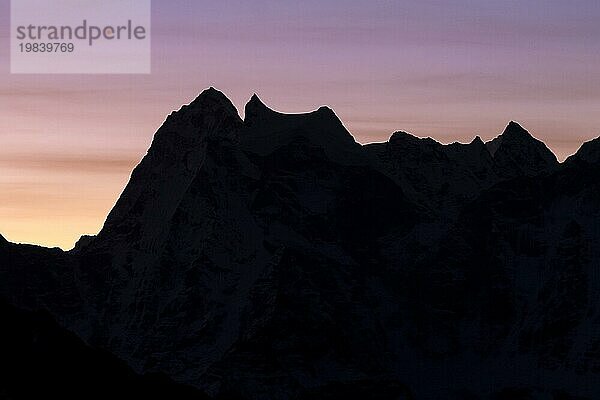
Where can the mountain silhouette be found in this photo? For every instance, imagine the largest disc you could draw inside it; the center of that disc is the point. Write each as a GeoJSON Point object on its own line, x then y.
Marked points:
{"type": "Point", "coordinates": [276, 258]}
{"type": "Point", "coordinates": [517, 153]}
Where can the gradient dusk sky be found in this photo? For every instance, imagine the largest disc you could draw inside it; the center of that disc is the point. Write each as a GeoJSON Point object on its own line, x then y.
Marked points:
{"type": "Point", "coordinates": [448, 69]}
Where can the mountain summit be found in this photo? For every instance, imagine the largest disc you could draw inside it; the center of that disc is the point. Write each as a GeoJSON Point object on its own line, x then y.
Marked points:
{"type": "Point", "coordinates": [516, 153]}
{"type": "Point", "coordinates": [255, 109]}
{"type": "Point", "coordinates": [178, 150]}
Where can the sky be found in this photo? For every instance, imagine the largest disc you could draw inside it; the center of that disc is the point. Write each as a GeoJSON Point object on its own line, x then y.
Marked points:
{"type": "Point", "coordinates": [447, 69]}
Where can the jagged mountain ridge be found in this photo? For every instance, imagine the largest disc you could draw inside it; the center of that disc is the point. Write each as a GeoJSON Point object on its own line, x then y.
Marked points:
{"type": "Point", "coordinates": [444, 177]}
{"type": "Point", "coordinates": [277, 258]}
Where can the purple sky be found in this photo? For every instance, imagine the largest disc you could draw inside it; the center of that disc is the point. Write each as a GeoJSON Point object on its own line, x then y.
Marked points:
{"type": "Point", "coordinates": [446, 69]}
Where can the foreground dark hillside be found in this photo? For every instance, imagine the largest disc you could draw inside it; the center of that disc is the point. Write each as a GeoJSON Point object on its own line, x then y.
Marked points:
{"type": "Point", "coordinates": [42, 360]}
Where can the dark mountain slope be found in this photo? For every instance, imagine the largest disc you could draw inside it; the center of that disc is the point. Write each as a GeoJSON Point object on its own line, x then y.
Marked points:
{"type": "Point", "coordinates": [36, 277]}
{"type": "Point", "coordinates": [442, 178]}
{"type": "Point", "coordinates": [177, 276]}
{"type": "Point", "coordinates": [517, 153]}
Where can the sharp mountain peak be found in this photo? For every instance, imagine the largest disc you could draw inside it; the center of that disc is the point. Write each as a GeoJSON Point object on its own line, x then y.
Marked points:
{"type": "Point", "coordinates": [477, 140]}
{"type": "Point", "coordinates": [256, 109]}
{"type": "Point", "coordinates": [513, 134]}
{"type": "Point", "coordinates": [211, 94]}
{"type": "Point", "coordinates": [516, 129]}
{"type": "Point", "coordinates": [210, 100]}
